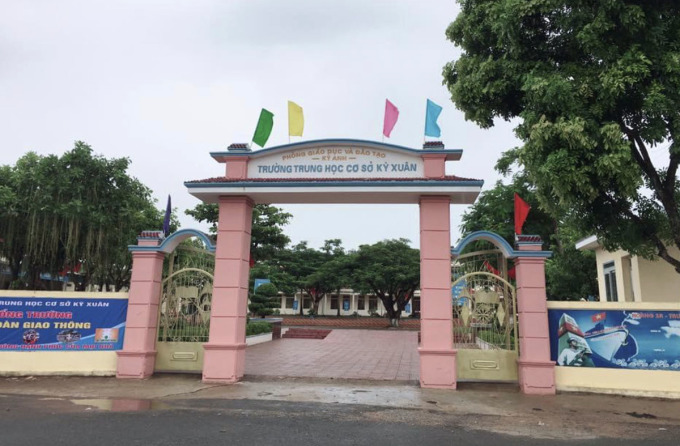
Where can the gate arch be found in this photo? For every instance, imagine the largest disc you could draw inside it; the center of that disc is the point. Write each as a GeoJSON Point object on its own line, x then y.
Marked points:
{"type": "Point", "coordinates": [337, 171]}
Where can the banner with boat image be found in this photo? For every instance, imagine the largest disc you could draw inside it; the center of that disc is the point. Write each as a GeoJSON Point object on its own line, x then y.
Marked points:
{"type": "Point", "coordinates": [626, 339]}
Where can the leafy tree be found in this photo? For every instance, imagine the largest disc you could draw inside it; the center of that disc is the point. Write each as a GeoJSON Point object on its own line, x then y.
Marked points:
{"type": "Point", "coordinates": [264, 300]}
{"type": "Point", "coordinates": [276, 273]}
{"type": "Point", "coordinates": [494, 211]}
{"type": "Point", "coordinates": [570, 273]}
{"type": "Point", "coordinates": [329, 274]}
{"type": "Point", "coordinates": [390, 269]}
{"type": "Point", "coordinates": [267, 237]}
{"type": "Point", "coordinates": [339, 272]}
{"type": "Point", "coordinates": [300, 262]}
{"type": "Point", "coordinates": [596, 85]}
{"type": "Point", "coordinates": [75, 212]}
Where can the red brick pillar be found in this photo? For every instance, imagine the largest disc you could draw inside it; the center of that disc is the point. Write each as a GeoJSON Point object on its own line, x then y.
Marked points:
{"type": "Point", "coordinates": [536, 370]}
{"type": "Point", "coordinates": [224, 359]}
{"type": "Point", "coordinates": [437, 356]}
{"type": "Point", "coordinates": [138, 357]}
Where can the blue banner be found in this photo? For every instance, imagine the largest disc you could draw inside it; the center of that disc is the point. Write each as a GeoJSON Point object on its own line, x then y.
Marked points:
{"type": "Point", "coordinates": [67, 324]}
{"type": "Point", "coordinates": [615, 339]}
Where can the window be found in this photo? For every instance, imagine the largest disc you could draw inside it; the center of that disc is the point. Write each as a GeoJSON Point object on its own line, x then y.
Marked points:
{"type": "Point", "coordinates": [360, 302]}
{"type": "Point", "coordinates": [289, 302]}
{"type": "Point", "coordinates": [334, 302]}
{"type": "Point", "coordinates": [307, 304]}
{"type": "Point", "coordinates": [372, 304]}
{"type": "Point", "coordinates": [610, 282]}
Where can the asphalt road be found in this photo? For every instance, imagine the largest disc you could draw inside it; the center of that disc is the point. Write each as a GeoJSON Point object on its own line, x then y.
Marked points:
{"type": "Point", "coordinates": [39, 420]}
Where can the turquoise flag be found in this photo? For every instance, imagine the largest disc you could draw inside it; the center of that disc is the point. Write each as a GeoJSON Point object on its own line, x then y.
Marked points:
{"type": "Point", "coordinates": [431, 115]}
{"type": "Point", "coordinates": [264, 128]}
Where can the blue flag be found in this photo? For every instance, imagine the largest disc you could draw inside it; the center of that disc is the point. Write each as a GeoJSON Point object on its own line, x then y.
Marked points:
{"type": "Point", "coordinates": [431, 115]}
{"type": "Point", "coordinates": [166, 220]}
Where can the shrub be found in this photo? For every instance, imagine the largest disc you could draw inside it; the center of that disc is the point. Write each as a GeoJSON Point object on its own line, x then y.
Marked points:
{"type": "Point", "coordinates": [256, 328]}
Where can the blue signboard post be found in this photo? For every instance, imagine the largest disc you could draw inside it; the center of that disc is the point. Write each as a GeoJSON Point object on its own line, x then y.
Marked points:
{"type": "Point", "coordinates": [456, 292]}
{"type": "Point", "coordinates": [259, 282]}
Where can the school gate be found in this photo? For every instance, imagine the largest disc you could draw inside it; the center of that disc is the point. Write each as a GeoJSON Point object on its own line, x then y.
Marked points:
{"type": "Point", "coordinates": [335, 171]}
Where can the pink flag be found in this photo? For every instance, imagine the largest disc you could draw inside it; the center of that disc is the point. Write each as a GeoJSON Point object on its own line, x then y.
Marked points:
{"type": "Point", "coordinates": [391, 116]}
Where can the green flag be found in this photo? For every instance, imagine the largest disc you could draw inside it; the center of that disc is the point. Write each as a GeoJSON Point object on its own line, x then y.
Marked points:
{"type": "Point", "coordinates": [264, 128]}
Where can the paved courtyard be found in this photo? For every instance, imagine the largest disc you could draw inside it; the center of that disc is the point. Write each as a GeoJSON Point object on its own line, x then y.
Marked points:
{"type": "Point", "coordinates": [346, 354]}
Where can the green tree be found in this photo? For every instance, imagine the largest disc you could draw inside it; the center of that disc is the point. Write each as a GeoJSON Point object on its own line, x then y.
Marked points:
{"type": "Point", "coordinates": [329, 273]}
{"type": "Point", "coordinates": [276, 273]}
{"type": "Point", "coordinates": [570, 274]}
{"type": "Point", "coordinates": [79, 210]}
{"type": "Point", "coordinates": [264, 300]}
{"type": "Point", "coordinates": [596, 85]}
{"type": "Point", "coordinates": [267, 236]}
{"type": "Point", "coordinates": [494, 211]}
{"type": "Point", "coordinates": [300, 262]}
{"type": "Point", "coordinates": [389, 269]}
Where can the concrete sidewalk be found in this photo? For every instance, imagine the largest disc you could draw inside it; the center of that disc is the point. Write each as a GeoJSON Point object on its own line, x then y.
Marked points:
{"type": "Point", "coordinates": [493, 408]}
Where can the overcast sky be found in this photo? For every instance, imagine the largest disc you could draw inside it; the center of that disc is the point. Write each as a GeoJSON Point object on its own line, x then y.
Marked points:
{"type": "Point", "coordinates": [165, 83]}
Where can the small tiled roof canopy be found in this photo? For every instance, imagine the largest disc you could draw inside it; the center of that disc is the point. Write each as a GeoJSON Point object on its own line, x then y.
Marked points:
{"type": "Point", "coordinates": [293, 173]}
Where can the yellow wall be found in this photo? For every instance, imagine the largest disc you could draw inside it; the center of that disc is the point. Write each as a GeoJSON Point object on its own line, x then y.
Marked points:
{"type": "Point", "coordinates": [639, 279]}
{"type": "Point", "coordinates": [653, 383]}
{"type": "Point", "coordinates": [92, 363]}
{"type": "Point", "coordinates": [58, 363]}
{"type": "Point", "coordinates": [659, 281]}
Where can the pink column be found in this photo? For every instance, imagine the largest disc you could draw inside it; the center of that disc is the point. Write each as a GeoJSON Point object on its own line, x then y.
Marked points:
{"type": "Point", "coordinates": [137, 359]}
{"type": "Point", "coordinates": [434, 165]}
{"type": "Point", "coordinates": [437, 356]}
{"type": "Point", "coordinates": [225, 356]}
{"type": "Point", "coordinates": [536, 370]}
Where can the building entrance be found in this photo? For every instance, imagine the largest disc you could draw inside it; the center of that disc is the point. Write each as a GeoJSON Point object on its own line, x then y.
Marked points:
{"type": "Point", "coordinates": [337, 171]}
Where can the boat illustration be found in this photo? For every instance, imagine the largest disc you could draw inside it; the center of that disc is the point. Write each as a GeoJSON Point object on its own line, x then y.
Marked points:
{"type": "Point", "coordinates": [673, 329]}
{"type": "Point", "coordinates": [568, 330]}
{"type": "Point", "coordinates": [607, 344]}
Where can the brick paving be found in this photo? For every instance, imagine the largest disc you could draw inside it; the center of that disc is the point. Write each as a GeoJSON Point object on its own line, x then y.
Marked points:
{"type": "Point", "coordinates": [347, 322]}
{"type": "Point", "coordinates": [344, 354]}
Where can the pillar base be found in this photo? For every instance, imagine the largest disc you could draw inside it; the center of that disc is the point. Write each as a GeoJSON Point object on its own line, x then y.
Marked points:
{"type": "Point", "coordinates": [437, 368]}
{"type": "Point", "coordinates": [135, 365]}
{"type": "Point", "coordinates": [223, 363]}
{"type": "Point", "coordinates": [536, 377]}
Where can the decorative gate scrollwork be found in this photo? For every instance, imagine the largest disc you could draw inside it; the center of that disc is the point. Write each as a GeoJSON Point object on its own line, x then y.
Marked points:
{"type": "Point", "coordinates": [185, 306]}
{"type": "Point", "coordinates": [484, 312]}
{"type": "Point", "coordinates": [186, 295]}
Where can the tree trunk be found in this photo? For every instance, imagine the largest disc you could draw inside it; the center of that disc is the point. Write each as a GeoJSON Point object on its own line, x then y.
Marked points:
{"type": "Point", "coordinates": [393, 315]}
{"type": "Point", "coordinates": [301, 302]}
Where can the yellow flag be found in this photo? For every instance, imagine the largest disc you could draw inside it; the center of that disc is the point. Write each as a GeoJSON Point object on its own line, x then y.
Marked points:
{"type": "Point", "coordinates": [296, 120]}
